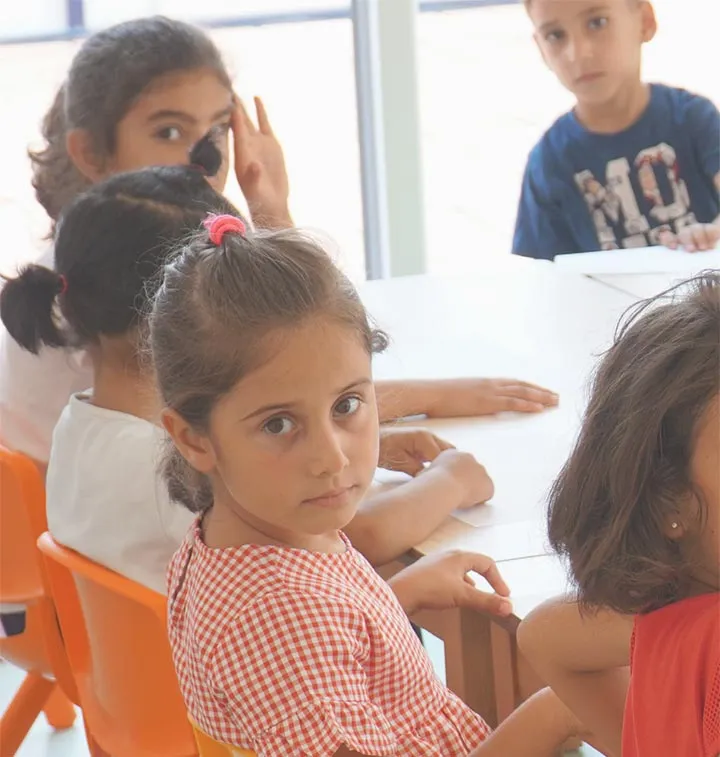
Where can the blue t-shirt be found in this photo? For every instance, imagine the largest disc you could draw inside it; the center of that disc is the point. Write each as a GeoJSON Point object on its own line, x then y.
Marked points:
{"type": "Point", "coordinates": [584, 191]}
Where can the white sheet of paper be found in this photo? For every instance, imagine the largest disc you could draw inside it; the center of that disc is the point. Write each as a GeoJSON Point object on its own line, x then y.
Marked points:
{"type": "Point", "coordinates": [640, 260]}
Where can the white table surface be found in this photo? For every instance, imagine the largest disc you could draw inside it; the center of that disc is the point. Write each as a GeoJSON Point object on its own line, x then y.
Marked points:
{"type": "Point", "coordinates": [641, 285]}
{"type": "Point", "coordinates": [529, 321]}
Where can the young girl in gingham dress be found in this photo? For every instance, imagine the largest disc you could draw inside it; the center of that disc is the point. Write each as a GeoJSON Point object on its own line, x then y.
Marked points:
{"type": "Point", "coordinates": [285, 640]}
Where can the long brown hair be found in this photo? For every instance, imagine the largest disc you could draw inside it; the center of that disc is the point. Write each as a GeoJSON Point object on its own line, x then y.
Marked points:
{"type": "Point", "coordinates": [213, 311]}
{"type": "Point", "coordinates": [630, 470]}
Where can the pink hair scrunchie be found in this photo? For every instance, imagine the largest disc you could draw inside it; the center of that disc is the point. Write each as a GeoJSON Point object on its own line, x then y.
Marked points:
{"type": "Point", "coordinates": [218, 226]}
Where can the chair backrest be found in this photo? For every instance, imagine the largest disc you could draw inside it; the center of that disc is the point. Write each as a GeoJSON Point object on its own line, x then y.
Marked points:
{"type": "Point", "coordinates": [116, 638]}
{"type": "Point", "coordinates": [22, 494]}
{"type": "Point", "coordinates": [210, 748]}
{"type": "Point", "coordinates": [23, 580]}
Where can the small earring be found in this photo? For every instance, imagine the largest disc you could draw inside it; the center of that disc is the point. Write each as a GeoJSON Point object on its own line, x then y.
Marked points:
{"type": "Point", "coordinates": [674, 525]}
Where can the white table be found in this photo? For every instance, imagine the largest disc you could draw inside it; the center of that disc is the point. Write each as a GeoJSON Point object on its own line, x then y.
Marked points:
{"type": "Point", "coordinates": [526, 320]}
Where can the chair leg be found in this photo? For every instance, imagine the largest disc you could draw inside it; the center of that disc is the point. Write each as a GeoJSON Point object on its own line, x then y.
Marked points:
{"type": "Point", "coordinates": [22, 712]}
{"type": "Point", "coordinates": [59, 711]}
{"type": "Point", "coordinates": [93, 747]}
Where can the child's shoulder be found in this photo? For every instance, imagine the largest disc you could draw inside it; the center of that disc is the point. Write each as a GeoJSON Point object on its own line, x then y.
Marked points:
{"type": "Point", "coordinates": [265, 577]}
{"type": "Point", "coordinates": [679, 96]}
{"type": "Point", "coordinates": [554, 137]}
{"type": "Point", "coordinates": [106, 436]}
{"type": "Point", "coordinates": [677, 105]}
{"type": "Point", "coordinates": [671, 107]}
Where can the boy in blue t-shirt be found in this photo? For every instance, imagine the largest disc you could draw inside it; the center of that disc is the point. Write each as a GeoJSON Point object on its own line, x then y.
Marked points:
{"type": "Point", "coordinates": [632, 164]}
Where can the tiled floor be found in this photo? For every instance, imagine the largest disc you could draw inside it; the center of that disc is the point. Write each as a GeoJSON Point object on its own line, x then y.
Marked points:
{"type": "Point", "coordinates": [42, 741]}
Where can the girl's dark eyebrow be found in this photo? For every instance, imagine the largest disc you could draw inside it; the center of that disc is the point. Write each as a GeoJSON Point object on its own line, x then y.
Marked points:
{"type": "Point", "coordinates": [179, 115]}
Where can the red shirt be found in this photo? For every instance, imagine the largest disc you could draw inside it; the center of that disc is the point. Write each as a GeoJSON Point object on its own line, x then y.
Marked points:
{"type": "Point", "coordinates": [288, 652]}
{"type": "Point", "coordinates": [673, 704]}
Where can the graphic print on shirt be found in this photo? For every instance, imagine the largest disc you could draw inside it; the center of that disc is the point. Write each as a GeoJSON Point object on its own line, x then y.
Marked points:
{"type": "Point", "coordinates": [615, 206]}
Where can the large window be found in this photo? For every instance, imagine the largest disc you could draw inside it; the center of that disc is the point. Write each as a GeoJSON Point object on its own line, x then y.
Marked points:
{"type": "Point", "coordinates": [485, 97]}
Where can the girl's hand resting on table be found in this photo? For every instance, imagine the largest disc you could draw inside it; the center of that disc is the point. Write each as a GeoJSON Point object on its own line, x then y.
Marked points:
{"type": "Point", "coordinates": [441, 582]}
{"type": "Point", "coordinates": [260, 167]}
{"type": "Point", "coordinates": [464, 472]}
{"type": "Point", "coordinates": [472, 396]}
{"type": "Point", "coordinates": [407, 449]}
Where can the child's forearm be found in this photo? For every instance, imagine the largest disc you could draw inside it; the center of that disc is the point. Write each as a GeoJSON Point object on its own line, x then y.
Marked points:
{"type": "Point", "coordinates": [599, 700]}
{"type": "Point", "coordinates": [390, 523]}
{"type": "Point", "coordinates": [538, 728]}
{"type": "Point", "coordinates": [402, 399]}
{"type": "Point", "coordinates": [585, 658]}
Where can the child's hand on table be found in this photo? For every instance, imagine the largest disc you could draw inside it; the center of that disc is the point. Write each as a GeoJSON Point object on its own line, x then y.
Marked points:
{"type": "Point", "coordinates": [481, 396]}
{"type": "Point", "coordinates": [466, 473]}
{"type": "Point", "coordinates": [441, 582]}
{"type": "Point", "coordinates": [407, 449]}
{"type": "Point", "coordinates": [696, 238]}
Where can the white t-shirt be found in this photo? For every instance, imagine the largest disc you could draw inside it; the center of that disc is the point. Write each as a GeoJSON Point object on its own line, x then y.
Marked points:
{"type": "Point", "coordinates": [34, 389]}
{"type": "Point", "coordinates": [105, 498]}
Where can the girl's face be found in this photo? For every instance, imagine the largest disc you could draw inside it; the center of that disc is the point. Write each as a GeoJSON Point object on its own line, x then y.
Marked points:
{"type": "Point", "coordinates": [701, 539]}
{"type": "Point", "coordinates": [168, 118]}
{"type": "Point", "coordinates": [294, 446]}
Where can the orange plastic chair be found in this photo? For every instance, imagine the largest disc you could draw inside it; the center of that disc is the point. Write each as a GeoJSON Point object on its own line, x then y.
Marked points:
{"type": "Point", "coordinates": [116, 640]}
{"type": "Point", "coordinates": [210, 748]}
{"type": "Point", "coordinates": [39, 650]}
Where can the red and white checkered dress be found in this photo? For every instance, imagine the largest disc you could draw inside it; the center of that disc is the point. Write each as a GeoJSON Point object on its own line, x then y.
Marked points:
{"type": "Point", "coordinates": [294, 653]}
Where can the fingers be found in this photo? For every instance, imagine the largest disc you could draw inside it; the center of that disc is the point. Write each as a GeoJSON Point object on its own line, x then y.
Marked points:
{"type": "Point", "coordinates": [487, 568]}
{"type": "Point", "coordinates": [405, 464]}
{"type": "Point", "coordinates": [442, 443]}
{"type": "Point", "coordinates": [242, 115]}
{"type": "Point", "coordinates": [262, 117]}
{"type": "Point", "coordinates": [408, 449]}
{"type": "Point", "coordinates": [713, 232]}
{"type": "Point", "coordinates": [521, 397]}
{"type": "Point", "coordinates": [242, 128]}
{"type": "Point", "coordinates": [497, 603]}
{"type": "Point", "coordinates": [668, 239]}
{"type": "Point", "coordinates": [484, 602]}
{"type": "Point", "coordinates": [699, 237]}
{"type": "Point", "coordinates": [526, 391]}
{"type": "Point", "coordinates": [516, 405]}
{"type": "Point", "coordinates": [400, 461]}
{"type": "Point", "coordinates": [426, 447]}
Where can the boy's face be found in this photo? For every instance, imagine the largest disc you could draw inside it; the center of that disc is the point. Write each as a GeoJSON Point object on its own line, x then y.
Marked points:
{"type": "Point", "coordinates": [593, 46]}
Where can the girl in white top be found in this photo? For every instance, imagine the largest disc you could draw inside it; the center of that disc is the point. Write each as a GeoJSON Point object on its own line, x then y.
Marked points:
{"type": "Point", "coordinates": [104, 497]}
{"type": "Point", "coordinates": [141, 94]}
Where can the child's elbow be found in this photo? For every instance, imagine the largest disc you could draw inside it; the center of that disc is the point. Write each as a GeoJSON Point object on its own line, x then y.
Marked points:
{"type": "Point", "coordinates": [536, 631]}
{"type": "Point", "coordinates": [526, 636]}
{"type": "Point", "coordinates": [369, 539]}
